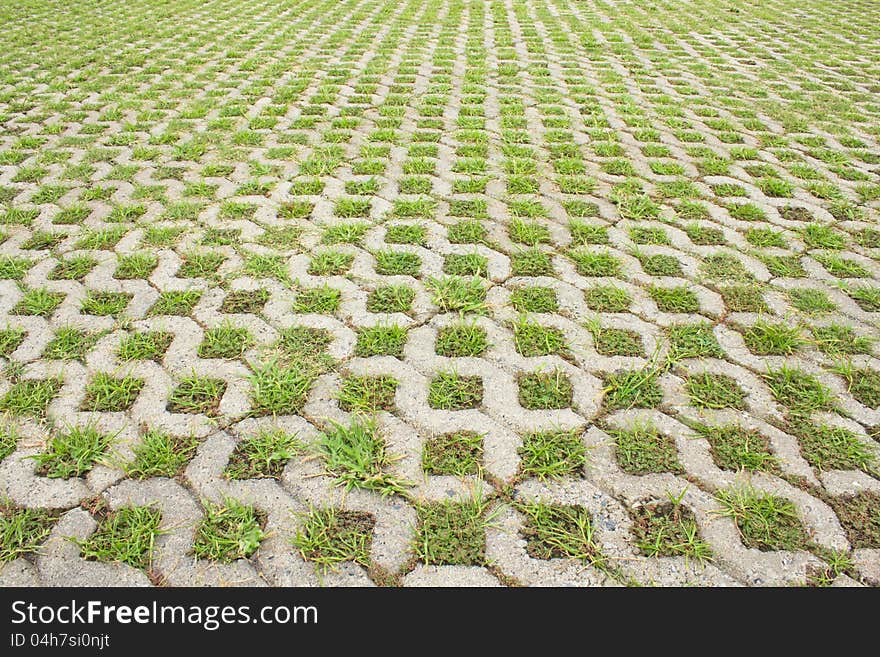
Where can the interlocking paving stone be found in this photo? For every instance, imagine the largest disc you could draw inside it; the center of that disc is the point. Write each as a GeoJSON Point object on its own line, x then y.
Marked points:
{"type": "Point", "coordinates": [590, 288]}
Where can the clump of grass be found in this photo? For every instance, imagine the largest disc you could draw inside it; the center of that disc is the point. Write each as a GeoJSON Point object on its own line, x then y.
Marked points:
{"type": "Point", "coordinates": [263, 456]}
{"type": "Point", "coordinates": [390, 299]}
{"type": "Point", "coordinates": [632, 388]}
{"type": "Point", "coordinates": [150, 345]}
{"type": "Point", "coordinates": [765, 522]}
{"type": "Point", "coordinates": [532, 339]}
{"type": "Point", "coordinates": [230, 531]}
{"type": "Point", "coordinates": [456, 454]}
{"type": "Point", "coordinates": [461, 340]}
{"type": "Point", "coordinates": [798, 391]}
{"type": "Point", "coordinates": [197, 394]}
{"type": "Point", "coordinates": [607, 299]}
{"type": "Point", "coordinates": [451, 533]}
{"type": "Point", "coordinates": [73, 453]}
{"type": "Point", "coordinates": [452, 392]}
{"type": "Point", "coordinates": [560, 532]}
{"type": "Point", "coordinates": [355, 457]}
{"type": "Point", "coordinates": [381, 340]}
{"type": "Point", "coordinates": [225, 341]}
{"type": "Point", "coordinates": [458, 294]}
{"type": "Point", "coordinates": [839, 340]}
{"type": "Point", "coordinates": [552, 454]}
{"type": "Point", "coordinates": [30, 396]}
{"type": "Point", "coordinates": [278, 390]}
{"type": "Point", "coordinates": [545, 390]}
{"type": "Point", "coordinates": [695, 340]}
{"type": "Point", "coordinates": [367, 393]}
{"type": "Point", "coordinates": [127, 535]}
{"type": "Point", "coordinates": [861, 382]}
{"type": "Point", "coordinates": [330, 536]}
{"type": "Point", "coordinates": [643, 450]}
{"type": "Point", "coordinates": [736, 448]}
{"type": "Point", "coordinates": [833, 448]}
{"type": "Point", "coordinates": [106, 393]}
{"type": "Point", "coordinates": [668, 529]}
{"type": "Point", "coordinates": [161, 455]}
{"type": "Point", "coordinates": [678, 299]}
{"type": "Point", "coordinates": [860, 516]}
{"type": "Point", "coordinates": [534, 299]}
{"type": "Point", "coordinates": [708, 390]}
{"type": "Point", "coordinates": [22, 531]}
{"type": "Point", "coordinates": [764, 338]}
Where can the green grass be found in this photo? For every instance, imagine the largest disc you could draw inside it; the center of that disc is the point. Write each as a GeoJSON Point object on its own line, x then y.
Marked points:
{"type": "Point", "coordinates": [279, 390]}
{"type": "Point", "coordinates": [834, 448]}
{"type": "Point", "coordinates": [397, 263]}
{"type": "Point", "coordinates": [330, 536]}
{"type": "Point", "coordinates": [263, 455]}
{"type": "Point", "coordinates": [674, 299]}
{"type": "Point", "coordinates": [161, 455]}
{"type": "Point", "coordinates": [632, 388]}
{"type": "Point", "coordinates": [30, 396]}
{"type": "Point", "coordinates": [458, 294]}
{"type": "Point", "coordinates": [860, 517]}
{"type": "Point", "coordinates": [9, 438]}
{"type": "Point", "coordinates": [330, 263]}
{"type": "Point", "coordinates": [229, 531]}
{"type": "Point", "coordinates": [552, 454]}
{"type": "Point", "coordinates": [10, 340]}
{"type": "Point", "coordinates": [667, 528]}
{"type": "Point", "coordinates": [461, 340]}
{"type": "Point", "coordinates": [356, 457]}
{"type": "Point", "coordinates": [244, 301]}
{"type": "Point", "coordinates": [693, 341]}
{"type": "Point", "coordinates": [40, 302]}
{"type": "Point", "coordinates": [862, 383]}
{"type": "Point", "coordinates": [765, 338]}
{"type": "Point", "coordinates": [595, 263]}
{"type": "Point", "coordinates": [764, 521]}
{"type": "Point", "coordinates": [451, 533]}
{"type": "Point", "coordinates": [615, 342]}
{"type": "Point", "coordinates": [534, 299]}
{"type": "Point", "coordinates": [736, 448]}
{"type": "Point", "coordinates": [556, 531]}
{"type": "Point", "coordinates": [106, 303]}
{"type": "Point", "coordinates": [365, 394]}
{"type": "Point", "coordinates": [743, 299]}
{"type": "Point", "coordinates": [197, 394]}
{"type": "Point", "coordinates": [840, 340]}
{"type": "Point", "coordinates": [73, 452]}
{"type": "Point", "coordinates": [715, 391]}
{"type": "Point", "coordinates": [798, 391]}
{"type": "Point", "coordinates": [127, 535]}
{"type": "Point", "coordinates": [149, 345]}
{"type": "Point", "coordinates": [323, 300]}
{"type": "Point", "coordinates": [70, 344]}
{"type": "Point", "coordinates": [225, 341]}
{"type": "Point", "coordinates": [450, 391]}
{"type": "Point", "coordinates": [106, 393]}
{"type": "Point", "coordinates": [381, 340]}
{"type": "Point", "coordinates": [465, 264]}
{"type": "Point", "coordinates": [391, 299]}
{"type": "Point", "coordinates": [455, 454]}
{"type": "Point", "coordinates": [545, 390]}
{"type": "Point", "coordinates": [531, 262]}
{"type": "Point", "coordinates": [607, 299]}
{"type": "Point", "coordinates": [532, 339]}
{"type": "Point", "coordinates": [644, 450]}
{"type": "Point", "coordinates": [23, 531]}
